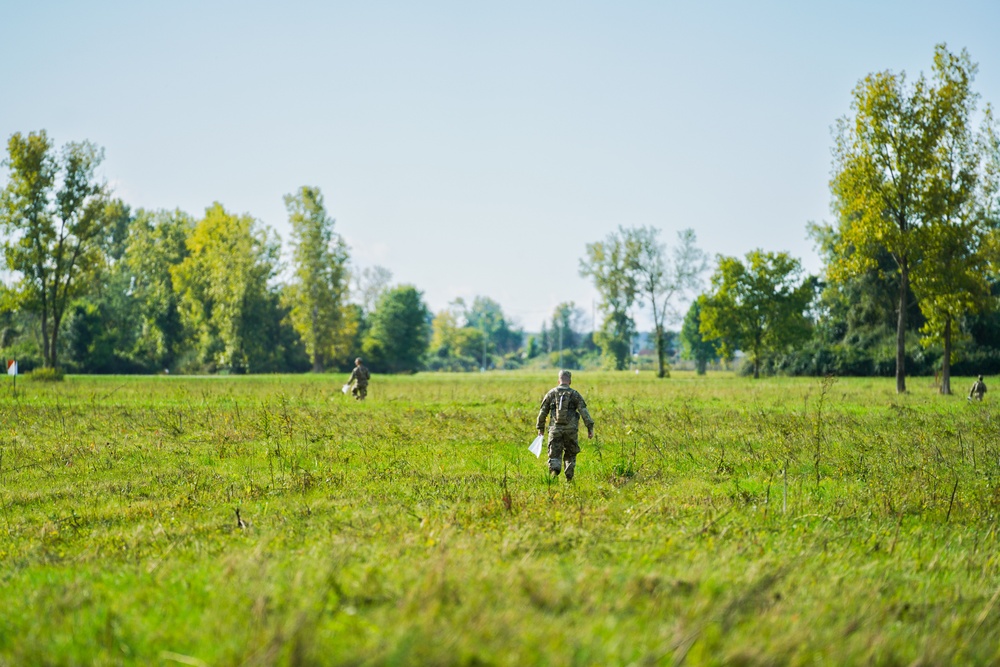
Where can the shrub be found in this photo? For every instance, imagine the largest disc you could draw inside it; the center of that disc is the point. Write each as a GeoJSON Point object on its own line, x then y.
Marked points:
{"type": "Point", "coordinates": [45, 375]}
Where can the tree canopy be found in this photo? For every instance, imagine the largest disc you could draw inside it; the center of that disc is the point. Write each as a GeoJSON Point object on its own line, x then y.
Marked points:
{"type": "Point", "coordinates": [757, 306]}
{"type": "Point", "coordinates": [900, 167]}
{"type": "Point", "coordinates": [55, 215]}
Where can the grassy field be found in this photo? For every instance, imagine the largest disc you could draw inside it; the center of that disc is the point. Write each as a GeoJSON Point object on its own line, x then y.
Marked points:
{"type": "Point", "coordinates": [714, 520]}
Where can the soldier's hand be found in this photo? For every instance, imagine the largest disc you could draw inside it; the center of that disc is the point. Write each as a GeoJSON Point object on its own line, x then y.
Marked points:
{"type": "Point", "coordinates": [540, 432]}
{"type": "Point", "coordinates": [590, 433]}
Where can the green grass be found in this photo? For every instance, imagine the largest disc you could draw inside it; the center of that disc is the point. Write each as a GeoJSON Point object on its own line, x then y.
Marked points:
{"type": "Point", "coordinates": [713, 521]}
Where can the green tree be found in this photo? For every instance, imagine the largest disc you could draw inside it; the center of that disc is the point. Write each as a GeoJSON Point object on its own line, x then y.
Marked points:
{"type": "Point", "coordinates": [567, 322]}
{"type": "Point", "coordinates": [157, 241]}
{"type": "Point", "coordinates": [661, 279]}
{"type": "Point", "coordinates": [453, 346]}
{"type": "Point", "coordinates": [400, 331]}
{"type": "Point", "coordinates": [694, 345]}
{"type": "Point", "coordinates": [608, 264]}
{"type": "Point", "coordinates": [487, 316]}
{"type": "Point", "coordinates": [952, 281]}
{"type": "Point", "coordinates": [758, 306]}
{"type": "Point", "coordinates": [223, 286]}
{"type": "Point", "coordinates": [890, 161]}
{"type": "Point", "coordinates": [55, 215]}
{"type": "Point", "coordinates": [318, 290]}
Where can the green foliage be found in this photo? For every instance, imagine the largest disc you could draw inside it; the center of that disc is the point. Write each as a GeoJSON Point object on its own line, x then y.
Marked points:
{"type": "Point", "coordinates": [157, 241]}
{"type": "Point", "coordinates": [632, 266]}
{"type": "Point", "coordinates": [316, 296]}
{"type": "Point", "coordinates": [400, 331]}
{"type": "Point", "coordinates": [608, 263]}
{"type": "Point", "coordinates": [758, 306]}
{"type": "Point", "coordinates": [694, 345]}
{"type": "Point", "coordinates": [567, 325]}
{"type": "Point", "coordinates": [661, 279]}
{"type": "Point", "coordinates": [57, 220]}
{"type": "Point", "coordinates": [712, 521]}
{"type": "Point", "coordinates": [454, 347]}
{"type": "Point", "coordinates": [223, 288]}
{"type": "Point", "coordinates": [903, 165]}
{"type": "Point", "coordinates": [487, 316]}
{"type": "Point", "coordinates": [45, 374]}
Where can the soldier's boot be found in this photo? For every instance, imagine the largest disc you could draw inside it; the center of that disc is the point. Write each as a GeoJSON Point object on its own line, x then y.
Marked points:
{"type": "Point", "coordinates": [555, 466]}
{"type": "Point", "coordinates": [570, 469]}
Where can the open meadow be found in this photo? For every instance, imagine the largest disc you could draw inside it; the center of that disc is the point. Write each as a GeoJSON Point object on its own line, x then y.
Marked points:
{"type": "Point", "coordinates": [714, 520]}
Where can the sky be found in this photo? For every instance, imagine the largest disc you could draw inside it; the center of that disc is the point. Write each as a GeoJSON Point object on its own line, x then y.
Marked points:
{"type": "Point", "coordinates": [476, 148]}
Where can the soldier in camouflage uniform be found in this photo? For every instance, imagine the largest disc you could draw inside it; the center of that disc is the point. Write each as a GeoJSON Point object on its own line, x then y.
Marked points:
{"type": "Point", "coordinates": [978, 389]}
{"type": "Point", "coordinates": [566, 407]}
{"type": "Point", "coordinates": [359, 376]}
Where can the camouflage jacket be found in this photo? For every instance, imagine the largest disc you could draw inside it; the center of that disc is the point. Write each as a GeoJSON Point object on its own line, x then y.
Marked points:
{"type": "Point", "coordinates": [566, 406]}
{"type": "Point", "coordinates": [361, 374]}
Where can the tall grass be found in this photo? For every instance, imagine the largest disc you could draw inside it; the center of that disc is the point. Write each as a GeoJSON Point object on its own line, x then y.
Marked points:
{"type": "Point", "coordinates": [712, 521]}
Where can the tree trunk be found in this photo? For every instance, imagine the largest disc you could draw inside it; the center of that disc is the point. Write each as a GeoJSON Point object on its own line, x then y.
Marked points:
{"type": "Point", "coordinates": [55, 340]}
{"type": "Point", "coordinates": [701, 365]}
{"type": "Point", "coordinates": [904, 284]}
{"type": "Point", "coordinates": [661, 352]}
{"type": "Point", "coordinates": [46, 359]}
{"type": "Point", "coordinates": [946, 361]}
{"type": "Point", "coordinates": [317, 355]}
{"type": "Point", "coordinates": [756, 363]}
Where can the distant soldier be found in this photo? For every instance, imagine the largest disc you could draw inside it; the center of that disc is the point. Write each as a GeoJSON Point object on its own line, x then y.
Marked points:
{"type": "Point", "coordinates": [978, 389]}
{"type": "Point", "coordinates": [360, 377]}
{"type": "Point", "coordinates": [566, 407]}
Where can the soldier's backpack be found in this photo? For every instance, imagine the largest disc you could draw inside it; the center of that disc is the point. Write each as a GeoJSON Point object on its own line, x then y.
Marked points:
{"type": "Point", "coordinates": [563, 408]}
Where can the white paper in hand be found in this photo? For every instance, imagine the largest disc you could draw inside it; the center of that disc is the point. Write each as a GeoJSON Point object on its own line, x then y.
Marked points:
{"type": "Point", "coordinates": [536, 446]}
{"type": "Point", "coordinates": [346, 388]}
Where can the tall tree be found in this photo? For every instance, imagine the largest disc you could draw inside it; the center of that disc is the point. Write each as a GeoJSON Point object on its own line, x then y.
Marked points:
{"type": "Point", "coordinates": [400, 331]}
{"type": "Point", "coordinates": [157, 241]}
{"type": "Point", "coordinates": [454, 347]}
{"type": "Point", "coordinates": [318, 289]}
{"type": "Point", "coordinates": [888, 166]}
{"type": "Point", "coordinates": [567, 325]}
{"type": "Point", "coordinates": [758, 306]}
{"type": "Point", "coordinates": [54, 212]}
{"type": "Point", "coordinates": [661, 279]}
{"type": "Point", "coordinates": [486, 315]}
{"type": "Point", "coordinates": [222, 283]}
{"type": "Point", "coordinates": [608, 264]}
{"type": "Point", "coordinates": [953, 280]}
{"type": "Point", "coordinates": [694, 345]}
{"type": "Point", "coordinates": [368, 285]}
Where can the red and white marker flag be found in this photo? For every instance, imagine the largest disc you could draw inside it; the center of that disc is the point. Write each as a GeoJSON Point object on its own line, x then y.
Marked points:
{"type": "Point", "coordinates": [12, 367]}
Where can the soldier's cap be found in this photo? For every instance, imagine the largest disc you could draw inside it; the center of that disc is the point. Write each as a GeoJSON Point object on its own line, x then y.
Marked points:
{"type": "Point", "coordinates": [565, 374]}
{"type": "Point", "coordinates": [358, 360]}
{"type": "Point", "coordinates": [980, 377]}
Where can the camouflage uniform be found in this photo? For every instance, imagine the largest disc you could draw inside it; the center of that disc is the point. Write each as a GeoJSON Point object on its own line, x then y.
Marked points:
{"type": "Point", "coordinates": [978, 389]}
{"type": "Point", "coordinates": [567, 407]}
{"type": "Point", "coordinates": [359, 376]}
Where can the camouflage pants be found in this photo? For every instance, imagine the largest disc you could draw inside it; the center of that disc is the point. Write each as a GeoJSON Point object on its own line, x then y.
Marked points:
{"type": "Point", "coordinates": [563, 448]}
{"type": "Point", "coordinates": [360, 391]}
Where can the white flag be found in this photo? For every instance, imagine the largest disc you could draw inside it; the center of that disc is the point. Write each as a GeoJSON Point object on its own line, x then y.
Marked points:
{"type": "Point", "coordinates": [12, 367]}
{"type": "Point", "coordinates": [346, 388]}
{"type": "Point", "coordinates": [536, 446]}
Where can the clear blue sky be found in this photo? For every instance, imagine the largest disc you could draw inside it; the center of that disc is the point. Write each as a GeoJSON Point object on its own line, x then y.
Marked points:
{"type": "Point", "coordinates": [476, 147]}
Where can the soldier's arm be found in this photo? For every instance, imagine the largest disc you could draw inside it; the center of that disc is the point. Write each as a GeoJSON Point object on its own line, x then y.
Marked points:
{"type": "Point", "coordinates": [543, 412]}
{"type": "Point", "coordinates": [588, 421]}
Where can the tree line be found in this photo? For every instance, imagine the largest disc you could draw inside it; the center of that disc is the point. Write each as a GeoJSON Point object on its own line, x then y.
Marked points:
{"type": "Point", "coordinates": [911, 258]}
{"type": "Point", "coordinates": [909, 281]}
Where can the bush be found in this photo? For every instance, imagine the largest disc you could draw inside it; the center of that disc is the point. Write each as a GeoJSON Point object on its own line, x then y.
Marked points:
{"type": "Point", "coordinates": [45, 375]}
